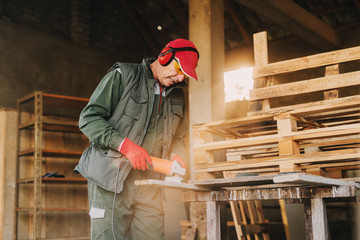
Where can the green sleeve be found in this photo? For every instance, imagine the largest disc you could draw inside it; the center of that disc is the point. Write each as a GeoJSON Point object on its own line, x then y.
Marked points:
{"type": "Point", "coordinates": [93, 118]}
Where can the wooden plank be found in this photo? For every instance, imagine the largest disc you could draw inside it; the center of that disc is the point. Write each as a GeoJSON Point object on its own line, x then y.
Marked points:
{"type": "Point", "coordinates": [235, 211]}
{"type": "Point", "coordinates": [332, 143]}
{"type": "Point", "coordinates": [318, 219]}
{"type": "Point", "coordinates": [252, 215]}
{"type": "Point", "coordinates": [260, 151]}
{"type": "Point", "coordinates": [260, 49]}
{"type": "Point", "coordinates": [329, 165]}
{"type": "Point", "coordinates": [312, 61]}
{"type": "Point", "coordinates": [306, 86]}
{"type": "Point", "coordinates": [343, 130]}
{"type": "Point", "coordinates": [234, 143]}
{"type": "Point", "coordinates": [301, 135]}
{"type": "Point", "coordinates": [234, 122]}
{"type": "Point", "coordinates": [260, 58]}
{"type": "Point", "coordinates": [8, 144]}
{"type": "Point", "coordinates": [313, 180]}
{"type": "Point", "coordinates": [235, 181]}
{"type": "Point", "coordinates": [213, 220]}
{"type": "Point", "coordinates": [261, 218]}
{"type": "Point", "coordinates": [170, 184]}
{"type": "Point", "coordinates": [236, 217]}
{"type": "Point", "coordinates": [333, 93]}
{"type": "Point", "coordinates": [313, 107]}
{"type": "Point", "coordinates": [306, 121]}
{"type": "Point", "coordinates": [286, 126]}
{"type": "Point", "coordinates": [339, 155]}
{"type": "Point", "coordinates": [244, 214]}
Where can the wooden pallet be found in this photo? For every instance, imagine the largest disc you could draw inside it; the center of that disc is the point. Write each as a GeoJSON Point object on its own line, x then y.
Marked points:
{"type": "Point", "coordinates": [282, 85]}
{"type": "Point", "coordinates": [320, 134]}
{"type": "Point", "coordinates": [281, 150]}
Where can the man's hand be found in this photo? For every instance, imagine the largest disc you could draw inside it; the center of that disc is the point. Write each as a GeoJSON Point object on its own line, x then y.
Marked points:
{"type": "Point", "coordinates": [175, 157]}
{"type": "Point", "coordinates": [137, 155]}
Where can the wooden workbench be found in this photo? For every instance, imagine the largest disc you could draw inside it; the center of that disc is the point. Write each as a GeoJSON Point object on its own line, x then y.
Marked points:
{"type": "Point", "coordinates": [313, 191]}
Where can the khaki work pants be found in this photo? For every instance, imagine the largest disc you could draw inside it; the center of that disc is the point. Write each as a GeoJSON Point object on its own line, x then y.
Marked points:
{"type": "Point", "coordinates": [138, 212]}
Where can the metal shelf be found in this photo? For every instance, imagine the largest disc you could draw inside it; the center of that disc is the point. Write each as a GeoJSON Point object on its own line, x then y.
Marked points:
{"type": "Point", "coordinates": [53, 125]}
{"type": "Point", "coordinates": [54, 180]}
{"type": "Point", "coordinates": [54, 209]}
{"type": "Point", "coordinates": [40, 112]}
{"type": "Point", "coordinates": [51, 153]}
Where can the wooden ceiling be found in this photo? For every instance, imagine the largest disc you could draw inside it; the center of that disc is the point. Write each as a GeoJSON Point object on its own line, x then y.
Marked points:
{"type": "Point", "coordinates": [136, 28]}
{"type": "Point", "coordinates": [317, 22]}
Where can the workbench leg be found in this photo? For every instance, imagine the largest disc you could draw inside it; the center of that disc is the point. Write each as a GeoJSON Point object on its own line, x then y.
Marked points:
{"type": "Point", "coordinates": [213, 220]}
{"type": "Point", "coordinates": [319, 219]}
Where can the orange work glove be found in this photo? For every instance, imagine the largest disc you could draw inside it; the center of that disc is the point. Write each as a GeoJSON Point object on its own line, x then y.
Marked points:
{"type": "Point", "coordinates": [175, 157]}
{"type": "Point", "coordinates": [137, 155]}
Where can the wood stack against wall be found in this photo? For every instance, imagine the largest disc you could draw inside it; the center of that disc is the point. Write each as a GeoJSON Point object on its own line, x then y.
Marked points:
{"type": "Point", "coordinates": [304, 116]}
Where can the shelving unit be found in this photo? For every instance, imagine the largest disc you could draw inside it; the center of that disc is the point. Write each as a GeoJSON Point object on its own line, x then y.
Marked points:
{"type": "Point", "coordinates": [49, 141]}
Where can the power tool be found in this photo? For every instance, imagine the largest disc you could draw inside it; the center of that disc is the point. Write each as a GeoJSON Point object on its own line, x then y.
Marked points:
{"type": "Point", "coordinates": [172, 169]}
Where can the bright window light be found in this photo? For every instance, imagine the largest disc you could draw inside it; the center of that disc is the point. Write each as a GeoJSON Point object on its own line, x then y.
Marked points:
{"type": "Point", "coordinates": [238, 83]}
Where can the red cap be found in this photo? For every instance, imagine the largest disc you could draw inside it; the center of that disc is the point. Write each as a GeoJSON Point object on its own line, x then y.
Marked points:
{"type": "Point", "coordinates": [187, 59]}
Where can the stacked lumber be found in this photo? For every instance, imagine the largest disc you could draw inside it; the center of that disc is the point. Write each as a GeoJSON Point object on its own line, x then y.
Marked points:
{"type": "Point", "coordinates": [304, 116]}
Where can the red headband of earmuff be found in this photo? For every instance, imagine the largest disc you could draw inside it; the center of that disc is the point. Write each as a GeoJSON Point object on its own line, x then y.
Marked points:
{"type": "Point", "coordinates": [168, 54]}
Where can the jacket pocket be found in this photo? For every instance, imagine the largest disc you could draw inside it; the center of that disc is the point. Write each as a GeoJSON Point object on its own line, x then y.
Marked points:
{"type": "Point", "coordinates": [132, 113]}
{"type": "Point", "coordinates": [106, 167]}
{"type": "Point", "coordinates": [134, 107]}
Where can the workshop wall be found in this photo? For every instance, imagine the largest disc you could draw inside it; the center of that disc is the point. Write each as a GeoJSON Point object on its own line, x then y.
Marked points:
{"type": "Point", "coordinates": [31, 60]}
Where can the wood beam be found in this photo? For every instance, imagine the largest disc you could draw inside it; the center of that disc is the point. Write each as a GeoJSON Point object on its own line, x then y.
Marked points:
{"type": "Point", "coordinates": [233, 11]}
{"type": "Point", "coordinates": [141, 26]}
{"type": "Point", "coordinates": [297, 20]}
{"type": "Point", "coordinates": [178, 12]}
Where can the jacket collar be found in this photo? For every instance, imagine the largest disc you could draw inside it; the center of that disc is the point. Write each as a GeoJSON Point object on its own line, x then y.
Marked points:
{"type": "Point", "coordinates": [146, 66]}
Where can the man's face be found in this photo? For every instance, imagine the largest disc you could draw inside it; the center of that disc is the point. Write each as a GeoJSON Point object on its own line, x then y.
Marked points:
{"type": "Point", "coordinates": [170, 75]}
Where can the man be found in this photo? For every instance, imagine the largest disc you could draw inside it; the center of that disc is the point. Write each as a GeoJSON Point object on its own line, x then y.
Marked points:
{"type": "Point", "coordinates": [136, 111]}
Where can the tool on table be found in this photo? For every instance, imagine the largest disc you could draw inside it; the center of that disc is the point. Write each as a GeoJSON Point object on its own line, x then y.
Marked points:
{"type": "Point", "coordinates": [173, 169]}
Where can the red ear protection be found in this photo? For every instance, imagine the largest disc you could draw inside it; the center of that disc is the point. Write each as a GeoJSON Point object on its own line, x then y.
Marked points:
{"type": "Point", "coordinates": [168, 54]}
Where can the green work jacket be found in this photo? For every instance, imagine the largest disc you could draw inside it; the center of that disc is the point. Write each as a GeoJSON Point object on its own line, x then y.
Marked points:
{"type": "Point", "coordinates": [120, 107]}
